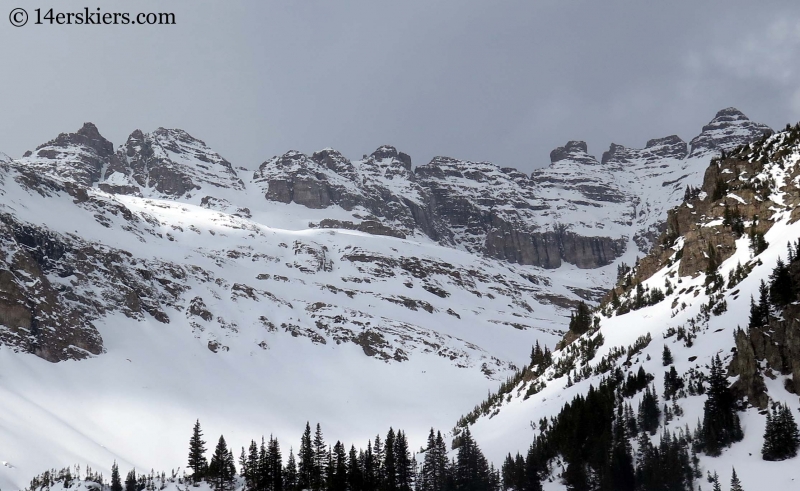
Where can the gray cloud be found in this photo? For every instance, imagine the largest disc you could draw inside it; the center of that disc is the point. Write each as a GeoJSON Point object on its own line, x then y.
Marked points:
{"type": "Point", "coordinates": [475, 79]}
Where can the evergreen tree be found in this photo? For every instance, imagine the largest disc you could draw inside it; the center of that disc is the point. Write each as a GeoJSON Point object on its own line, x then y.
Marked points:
{"type": "Point", "coordinates": [666, 356]}
{"type": "Point", "coordinates": [197, 450]}
{"type": "Point", "coordinates": [649, 411]}
{"type": "Point", "coordinates": [581, 320]}
{"type": "Point", "coordinates": [537, 355]}
{"type": "Point", "coordinates": [274, 466]}
{"type": "Point", "coordinates": [769, 450]}
{"type": "Point", "coordinates": [721, 426]}
{"type": "Point", "coordinates": [222, 468]}
{"type": "Point", "coordinates": [756, 319]}
{"type": "Point", "coordinates": [619, 474]}
{"type": "Point", "coordinates": [672, 383]}
{"type": "Point", "coordinates": [736, 485]}
{"type": "Point", "coordinates": [532, 468]}
{"type": "Point", "coordinates": [116, 483]}
{"type": "Point", "coordinates": [246, 471]}
{"type": "Point", "coordinates": [379, 457]}
{"type": "Point", "coordinates": [306, 463]}
{"type": "Point", "coordinates": [450, 482]}
{"type": "Point", "coordinates": [715, 482]}
{"type": "Point", "coordinates": [251, 468]}
{"type": "Point", "coordinates": [231, 463]}
{"type": "Point", "coordinates": [426, 477]}
{"type": "Point", "coordinates": [368, 469]}
{"type": "Point", "coordinates": [263, 474]}
{"type": "Point", "coordinates": [405, 463]}
{"type": "Point", "coordinates": [782, 289]}
{"type": "Point", "coordinates": [665, 467]}
{"type": "Point", "coordinates": [338, 469]}
{"type": "Point", "coordinates": [781, 436]}
{"type": "Point", "coordinates": [389, 462]}
{"type": "Point", "coordinates": [355, 478]}
{"type": "Point", "coordinates": [494, 478]}
{"type": "Point", "coordinates": [290, 478]}
{"type": "Point", "coordinates": [130, 481]}
{"type": "Point", "coordinates": [757, 242]}
{"type": "Point", "coordinates": [434, 466]}
{"type": "Point", "coordinates": [472, 468]}
{"type": "Point", "coordinates": [321, 458]}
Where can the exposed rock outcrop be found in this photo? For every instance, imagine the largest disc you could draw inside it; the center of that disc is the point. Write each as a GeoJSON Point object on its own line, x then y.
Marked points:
{"type": "Point", "coordinates": [770, 350]}
{"type": "Point", "coordinates": [172, 163]}
{"type": "Point", "coordinates": [655, 152]}
{"type": "Point", "coordinates": [80, 157]}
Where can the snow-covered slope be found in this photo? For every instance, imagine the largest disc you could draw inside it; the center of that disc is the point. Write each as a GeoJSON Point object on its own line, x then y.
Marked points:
{"type": "Point", "coordinates": [177, 311]}
{"type": "Point", "coordinates": [694, 320]}
{"type": "Point", "coordinates": [361, 294]}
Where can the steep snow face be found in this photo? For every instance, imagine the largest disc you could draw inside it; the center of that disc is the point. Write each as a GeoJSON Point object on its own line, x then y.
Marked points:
{"type": "Point", "coordinates": [512, 424]}
{"type": "Point", "coordinates": [583, 195]}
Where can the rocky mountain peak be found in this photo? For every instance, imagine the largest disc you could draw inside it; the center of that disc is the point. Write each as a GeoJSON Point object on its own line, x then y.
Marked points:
{"type": "Point", "coordinates": [672, 140]}
{"type": "Point", "coordinates": [87, 136]}
{"type": "Point", "coordinates": [670, 147]}
{"type": "Point", "coordinates": [574, 151]}
{"type": "Point", "coordinates": [335, 161]}
{"type": "Point", "coordinates": [78, 157]}
{"type": "Point", "coordinates": [89, 130]}
{"type": "Point", "coordinates": [171, 162]}
{"type": "Point", "coordinates": [389, 152]}
{"type": "Point", "coordinates": [386, 162]}
{"type": "Point", "coordinates": [730, 114]}
{"type": "Point", "coordinates": [384, 152]}
{"type": "Point", "coordinates": [729, 129]}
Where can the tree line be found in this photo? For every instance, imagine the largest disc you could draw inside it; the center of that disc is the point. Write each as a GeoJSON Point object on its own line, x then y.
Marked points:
{"type": "Point", "coordinates": [385, 465]}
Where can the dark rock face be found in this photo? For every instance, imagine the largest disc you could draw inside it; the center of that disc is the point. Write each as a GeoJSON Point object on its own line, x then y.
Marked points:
{"type": "Point", "coordinates": [573, 150]}
{"type": "Point", "coordinates": [173, 163]}
{"type": "Point", "coordinates": [671, 147]}
{"type": "Point", "coordinates": [729, 129]}
{"type": "Point", "coordinates": [294, 177]}
{"type": "Point", "coordinates": [549, 249]}
{"type": "Point", "coordinates": [45, 307]}
{"type": "Point", "coordinates": [78, 157]}
{"type": "Point", "coordinates": [372, 227]}
{"type": "Point", "coordinates": [497, 211]}
{"type": "Point", "coordinates": [486, 209]}
{"type": "Point", "coordinates": [35, 316]}
{"type": "Point", "coordinates": [336, 162]}
{"type": "Point", "coordinates": [778, 345]}
{"type": "Point", "coordinates": [327, 178]}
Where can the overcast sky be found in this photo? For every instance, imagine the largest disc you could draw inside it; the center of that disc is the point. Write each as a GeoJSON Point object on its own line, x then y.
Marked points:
{"type": "Point", "coordinates": [504, 81]}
